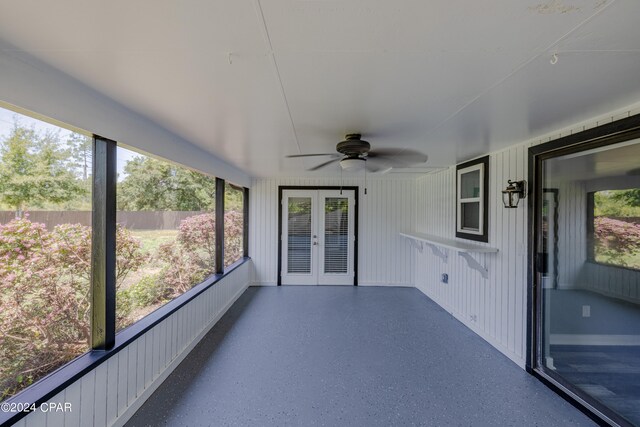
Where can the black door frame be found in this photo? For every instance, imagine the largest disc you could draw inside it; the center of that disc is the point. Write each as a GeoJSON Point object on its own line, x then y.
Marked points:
{"type": "Point", "coordinates": [612, 133]}
{"type": "Point", "coordinates": [355, 189]}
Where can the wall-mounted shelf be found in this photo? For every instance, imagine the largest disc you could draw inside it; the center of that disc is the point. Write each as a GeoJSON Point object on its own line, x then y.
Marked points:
{"type": "Point", "coordinates": [437, 244]}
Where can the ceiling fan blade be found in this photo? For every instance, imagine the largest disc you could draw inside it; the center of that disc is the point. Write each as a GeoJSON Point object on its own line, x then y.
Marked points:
{"type": "Point", "coordinates": [379, 171]}
{"type": "Point", "coordinates": [398, 157]}
{"type": "Point", "coordinates": [321, 165]}
{"type": "Point", "coordinates": [378, 165]}
{"type": "Point", "coordinates": [312, 155]}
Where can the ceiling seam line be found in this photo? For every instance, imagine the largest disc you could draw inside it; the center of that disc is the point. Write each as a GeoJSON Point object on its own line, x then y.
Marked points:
{"type": "Point", "coordinates": [265, 30]}
{"type": "Point", "coordinates": [520, 67]}
{"type": "Point", "coordinates": [599, 51]}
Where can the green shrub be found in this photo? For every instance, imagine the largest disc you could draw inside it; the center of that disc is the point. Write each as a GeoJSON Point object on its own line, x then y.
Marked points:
{"type": "Point", "coordinates": [147, 292]}
{"type": "Point", "coordinates": [44, 295]}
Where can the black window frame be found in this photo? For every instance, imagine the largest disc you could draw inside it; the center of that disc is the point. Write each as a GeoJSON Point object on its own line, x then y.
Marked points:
{"type": "Point", "coordinates": [484, 200]}
{"type": "Point", "coordinates": [245, 220]}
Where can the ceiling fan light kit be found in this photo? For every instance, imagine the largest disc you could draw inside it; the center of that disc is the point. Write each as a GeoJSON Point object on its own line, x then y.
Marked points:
{"type": "Point", "coordinates": [352, 164]}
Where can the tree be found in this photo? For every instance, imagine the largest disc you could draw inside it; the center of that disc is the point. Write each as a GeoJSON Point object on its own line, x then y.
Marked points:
{"type": "Point", "coordinates": [33, 171]}
{"type": "Point", "coordinates": [628, 197]}
{"type": "Point", "coordinates": [233, 198]}
{"type": "Point", "coordinates": [81, 151]}
{"type": "Point", "coordinates": [617, 203]}
{"type": "Point", "coordinates": [152, 184]}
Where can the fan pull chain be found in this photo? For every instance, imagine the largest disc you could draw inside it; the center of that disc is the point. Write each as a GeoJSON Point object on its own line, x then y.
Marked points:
{"type": "Point", "coordinates": [341, 181]}
{"type": "Point", "coordinates": [365, 180]}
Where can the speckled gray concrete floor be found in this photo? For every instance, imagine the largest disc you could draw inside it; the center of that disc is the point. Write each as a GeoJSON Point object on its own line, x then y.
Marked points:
{"type": "Point", "coordinates": [356, 356]}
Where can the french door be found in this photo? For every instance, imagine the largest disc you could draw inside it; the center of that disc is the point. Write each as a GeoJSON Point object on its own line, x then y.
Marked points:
{"type": "Point", "coordinates": [318, 237]}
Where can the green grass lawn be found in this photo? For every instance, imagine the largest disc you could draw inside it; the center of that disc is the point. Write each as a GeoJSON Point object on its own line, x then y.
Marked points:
{"type": "Point", "coordinates": [152, 239]}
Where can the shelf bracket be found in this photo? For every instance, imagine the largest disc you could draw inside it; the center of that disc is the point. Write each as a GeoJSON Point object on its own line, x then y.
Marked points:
{"type": "Point", "coordinates": [474, 264]}
{"type": "Point", "coordinates": [444, 254]}
{"type": "Point", "coordinates": [416, 244]}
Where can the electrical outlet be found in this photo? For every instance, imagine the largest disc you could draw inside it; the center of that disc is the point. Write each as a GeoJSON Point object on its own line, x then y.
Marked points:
{"type": "Point", "coordinates": [445, 278]}
{"type": "Point", "coordinates": [474, 318]}
{"type": "Point", "coordinates": [586, 311]}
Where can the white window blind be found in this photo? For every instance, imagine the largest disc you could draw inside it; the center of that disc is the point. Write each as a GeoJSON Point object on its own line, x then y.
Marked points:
{"type": "Point", "coordinates": [299, 235]}
{"type": "Point", "coordinates": [336, 235]}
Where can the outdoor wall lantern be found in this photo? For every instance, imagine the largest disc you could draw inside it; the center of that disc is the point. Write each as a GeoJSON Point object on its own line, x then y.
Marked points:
{"type": "Point", "coordinates": [513, 193]}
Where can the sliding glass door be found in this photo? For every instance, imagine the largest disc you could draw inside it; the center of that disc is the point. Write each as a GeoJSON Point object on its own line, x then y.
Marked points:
{"type": "Point", "coordinates": [587, 274]}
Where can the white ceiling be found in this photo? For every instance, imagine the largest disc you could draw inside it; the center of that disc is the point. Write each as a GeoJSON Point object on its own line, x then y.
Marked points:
{"type": "Point", "coordinates": [253, 80]}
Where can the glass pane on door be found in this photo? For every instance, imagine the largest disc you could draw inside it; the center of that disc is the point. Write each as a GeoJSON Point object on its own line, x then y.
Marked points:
{"type": "Point", "coordinates": [299, 235]}
{"type": "Point", "coordinates": [588, 268]}
{"type": "Point", "coordinates": [336, 235]}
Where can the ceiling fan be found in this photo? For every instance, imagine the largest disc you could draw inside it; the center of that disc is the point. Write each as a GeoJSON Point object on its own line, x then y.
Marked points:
{"type": "Point", "coordinates": [356, 154]}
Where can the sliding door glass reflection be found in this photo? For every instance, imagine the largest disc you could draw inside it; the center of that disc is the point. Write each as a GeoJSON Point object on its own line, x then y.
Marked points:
{"type": "Point", "coordinates": [589, 274]}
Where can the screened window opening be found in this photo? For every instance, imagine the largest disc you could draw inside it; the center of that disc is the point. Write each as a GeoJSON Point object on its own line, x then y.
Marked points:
{"type": "Point", "coordinates": [45, 249]}
{"type": "Point", "coordinates": [165, 241]}
{"type": "Point", "coordinates": [233, 223]}
{"type": "Point", "coordinates": [615, 227]}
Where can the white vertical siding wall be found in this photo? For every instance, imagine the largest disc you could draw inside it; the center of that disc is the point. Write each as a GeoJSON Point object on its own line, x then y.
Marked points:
{"type": "Point", "coordinates": [615, 282]}
{"type": "Point", "coordinates": [387, 209]}
{"type": "Point", "coordinates": [495, 308]}
{"type": "Point", "coordinates": [572, 233]}
{"type": "Point", "coordinates": [111, 393]}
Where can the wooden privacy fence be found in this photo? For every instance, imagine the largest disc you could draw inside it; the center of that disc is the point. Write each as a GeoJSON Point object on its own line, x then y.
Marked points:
{"type": "Point", "coordinates": [139, 220]}
{"type": "Point", "coordinates": [154, 220]}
